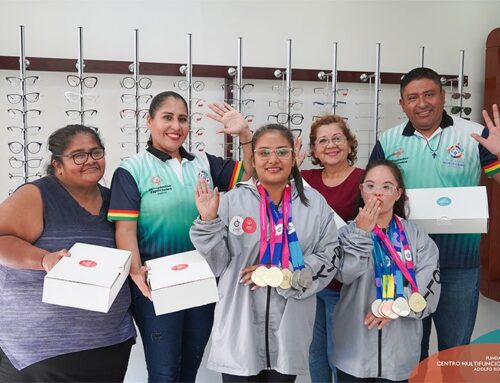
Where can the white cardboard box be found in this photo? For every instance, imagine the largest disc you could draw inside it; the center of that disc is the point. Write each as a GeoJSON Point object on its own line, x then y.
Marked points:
{"type": "Point", "coordinates": [450, 210]}
{"type": "Point", "coordinates": [89, 279]}
{"type": "Point", "coordinates": [181, 281]}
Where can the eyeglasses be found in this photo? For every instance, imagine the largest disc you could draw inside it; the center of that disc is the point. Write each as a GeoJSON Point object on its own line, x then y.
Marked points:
{"type": "Point", "coordinates": [130, 129]}
{"type": "Point", "coordinates": [16, 81]}
{"type": "Point", "coordinates": [464, 95]}
{"type": "Point", "coordinates": [283, 153]}
{"type": "Point", "coordinates": [317, 117]}
{"type": "Point", "coordinates": [385, 189]}
{"type": "Point", "coordinates": [197, 116]}
{"type": "Point", "coordinates": [17, 147]}
{"type": "Point", "coordinates": [295, 105]}
{"type": "Point", "coordinates": [233, 87]}
{"type": "Point", "coordinates": [199, 146]}
{"type": "Point", "coordinates": [32, 130]}
{"type": "Point", "coordinates": [321, 103]}
{"type": "Point", "coordinates": [16, 163]}
{"type": "Point", "coordinates": [199, 102]}
{"type": "Point", "coordinates": [198, 131]}
{"type": "Point", "coordinates": [88, 82]}
{"type": "Point", "coordinates": [22, 177]}
{"type": "Point", "coordinates": [18, 113]}
{"type": "Point", "coordinates": [328, 92]}
{"type": "Point", "coordinates": [17, 98]}
{"type": "Point", "coordinates": [280, 89]}
{"type": "Point", "coordinates": [456, 109]}
{"type": "Point", "coordinates": [77, 113]}
{"type": "Point", "coordinates": [130, 98]}
{"type": "Point", "coordinates": [124, 144]}
{"type": "Point", "coordinates": [80, 158]}
{"type": "Point", "coordinates": [283, 118]}
{"type": "Point", "coordinates": [197, 85]}
{"type": "Point", "coordinates": [249, 117]}
{"type": "Point", "coordinates": [74, 97]}
{"type": "Point", "coordinates": [129, 83]}
{"type": "Point", "coordinates": [323, 142]}
{"type": "Point", "coordinates": [131, 113]}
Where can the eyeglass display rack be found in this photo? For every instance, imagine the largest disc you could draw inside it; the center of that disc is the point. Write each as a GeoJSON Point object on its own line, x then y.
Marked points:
{"type": "Point", "coordinates": [23, 64]}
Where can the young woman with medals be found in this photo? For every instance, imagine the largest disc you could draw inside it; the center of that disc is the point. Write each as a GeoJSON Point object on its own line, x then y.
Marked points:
{"type": "Point", "coordinates": [274, 246]}
{"type": "Point", "coordinates": [390, 279]}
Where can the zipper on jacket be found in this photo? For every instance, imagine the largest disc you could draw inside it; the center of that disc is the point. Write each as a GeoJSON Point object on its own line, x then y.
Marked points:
{"type": "Point", "coordinates": [268, 303]}
{"type": "Point", "coordinates": [379, 374]}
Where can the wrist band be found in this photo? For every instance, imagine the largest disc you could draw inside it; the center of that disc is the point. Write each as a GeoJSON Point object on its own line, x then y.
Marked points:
{"type": "Point", "coordinates": [245, 143]}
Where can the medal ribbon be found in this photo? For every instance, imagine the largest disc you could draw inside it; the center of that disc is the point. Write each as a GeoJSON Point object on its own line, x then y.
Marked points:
{"type": "Point", "coordinates": [378, 266]}
{"type": "Point", "coordinates": [406, 250]}
{"type": "Point", "coordinates": [395, 256]}
{"type": "Point", "coordinates": [292, 245]}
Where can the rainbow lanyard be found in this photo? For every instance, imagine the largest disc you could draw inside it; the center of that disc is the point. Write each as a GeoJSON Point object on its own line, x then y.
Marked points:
{"type": "Point", "coordinates": [282, 247]}
{"type": "Point", "coordinates": [406, 268]}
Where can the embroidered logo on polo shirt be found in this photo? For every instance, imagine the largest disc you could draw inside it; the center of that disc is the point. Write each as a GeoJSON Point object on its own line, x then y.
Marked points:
{"type": "Point", "coordinates": [397, 156]}
{"type": "Point", "coordinates": [155, 180]}
{"type": "Point", "coordinates": [456, 151]}
{"type": "Point", "coordinates": [158, 188]}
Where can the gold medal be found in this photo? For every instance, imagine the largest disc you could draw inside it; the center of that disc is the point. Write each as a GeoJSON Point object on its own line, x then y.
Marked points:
{"type": "Point", "coordinates": [258, 276]}
{"type": "Point", "coordinates": [273, 277]}
{"type": "Point", "coordinates": [401, 307]}
{"type": "Point", "coordinates": [287, 279]}
{"type": "Point", "coordinates": [375, 308]}
{"type": "Point", "coordinates": [417, 302]}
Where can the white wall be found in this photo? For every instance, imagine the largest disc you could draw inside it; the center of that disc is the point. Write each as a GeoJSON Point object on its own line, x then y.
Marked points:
{"type": "Point", "coordinates": [443, 27]}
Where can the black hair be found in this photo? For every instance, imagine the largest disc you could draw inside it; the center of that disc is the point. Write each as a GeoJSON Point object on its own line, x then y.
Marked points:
{"type": "Point", "coordinates": [285, 132]}
{"type": "Point", "coordinates": [158, 100]}
{"type": "Point", "coordinates": [418, 74]}
{"type": "Point", "coordinates": [59, 141]}
{"type": "Point", "coordinates": [400, 205]}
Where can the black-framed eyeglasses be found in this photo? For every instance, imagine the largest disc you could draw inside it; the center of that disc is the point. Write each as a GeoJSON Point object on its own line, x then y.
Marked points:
{"type": "Point", "coordinates": [130, 98]}
{"type": "Point", "coordinates": [328, 103]}
{"type": "Point", "coordinates": [197, 85]}
{"type": "Point", "coordinates": [77, 113]}
{"type": "Point", "coordinates": [18, 113]}
{"type": "Point", "coordinates": [79, 158]}
{"type": "Point", "coordinates": [17, 163]}
{"type": "Point", "coordinates": [129, 82]}
{"type": "Point", "coordinates": [17, 147]}
{"type": "Point", "coordinates": [199, 146]}
{"type": "Point", "coordinates": [456, 109]}
{"type": "Point", "coordinates": [16, 81]}
{"type": "Point", "coordinates": [198, 131]}
{"type": "Point", "coordinates": [131, 113]}
{"type": "Point", "coordinates": [282, 153]}
{"type": "Point", "coordinates": [283, 118]}
{"type": "Point", "coordinates": [74, 81]}
{"type": "Point", "coordinates": [233, 87]}
{"type": "Point", "coordinates": [29, 97]}
{"type": "Point", "coordinates": [464, 95]}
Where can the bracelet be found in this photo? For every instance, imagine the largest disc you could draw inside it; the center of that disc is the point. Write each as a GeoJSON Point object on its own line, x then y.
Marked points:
{"type": "Point", "coordinates": [245, 143]}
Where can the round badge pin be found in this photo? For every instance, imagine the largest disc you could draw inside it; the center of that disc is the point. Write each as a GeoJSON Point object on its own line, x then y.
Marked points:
{"type": "Point", "coordinates": [236, 225]}
{"type": "Point", "coordinates": [249, 225]}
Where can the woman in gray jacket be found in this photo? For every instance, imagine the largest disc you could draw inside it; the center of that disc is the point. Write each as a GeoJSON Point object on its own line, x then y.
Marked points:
{"type": "Point", "coordinates": [268, 276]}
{"type": "Point", "coordinates": [390, 279]}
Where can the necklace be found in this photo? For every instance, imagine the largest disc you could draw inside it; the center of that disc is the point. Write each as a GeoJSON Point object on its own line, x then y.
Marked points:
{"type": "Point", "coordinates": [434, 154]}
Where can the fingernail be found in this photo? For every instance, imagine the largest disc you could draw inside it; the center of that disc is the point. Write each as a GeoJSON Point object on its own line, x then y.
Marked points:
{"type": "Point", "coordinates": [241, 280]}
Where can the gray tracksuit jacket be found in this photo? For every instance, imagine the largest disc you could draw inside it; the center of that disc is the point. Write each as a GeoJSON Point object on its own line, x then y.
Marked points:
{"type": "Point", "coordinates": [394, 351]}
{"type": "Point", "coordinates": [268, 328]}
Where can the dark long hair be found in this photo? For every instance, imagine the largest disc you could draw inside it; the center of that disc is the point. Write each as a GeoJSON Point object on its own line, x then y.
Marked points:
{"type": "Point", "coordinates": [59, 141]}
{"type": "Point", "coordinates": [285, 132]}
{"type": "Point", "coordinates": [400, 204]}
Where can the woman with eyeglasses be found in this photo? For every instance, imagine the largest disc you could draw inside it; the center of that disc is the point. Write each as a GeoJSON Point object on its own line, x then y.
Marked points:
{"type": "Point", "coordinates": [334, 148]}
{"type": "Point", "coordinates": [152, 203]}
{"type": "Point", "coordinates": [273, 244]}
{"type": "Point", "coordinates": [42, 342]}
{"type": "Point", "coordinates": [390, 277]}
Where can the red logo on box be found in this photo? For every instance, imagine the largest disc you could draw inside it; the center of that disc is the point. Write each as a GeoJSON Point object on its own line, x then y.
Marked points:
{"type": "Point", "coordinates": [180, 266]}
{"type": "Point", "coordinates": [249, 225]}
{"type": "Point", "coordinates": [88, 263]}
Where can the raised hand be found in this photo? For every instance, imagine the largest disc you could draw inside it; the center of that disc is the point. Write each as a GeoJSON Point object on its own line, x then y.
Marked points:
{"type": "Point", "coordinates": [207, 202]}
{"type": "Point", "coordinates": [492, 143]}
{"type": "Point", "coordinates": [368, 215]}
{"type": "Point", "coordinates": [300, 155]}
{"type": "Point", "coordinates": [233, 121]}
